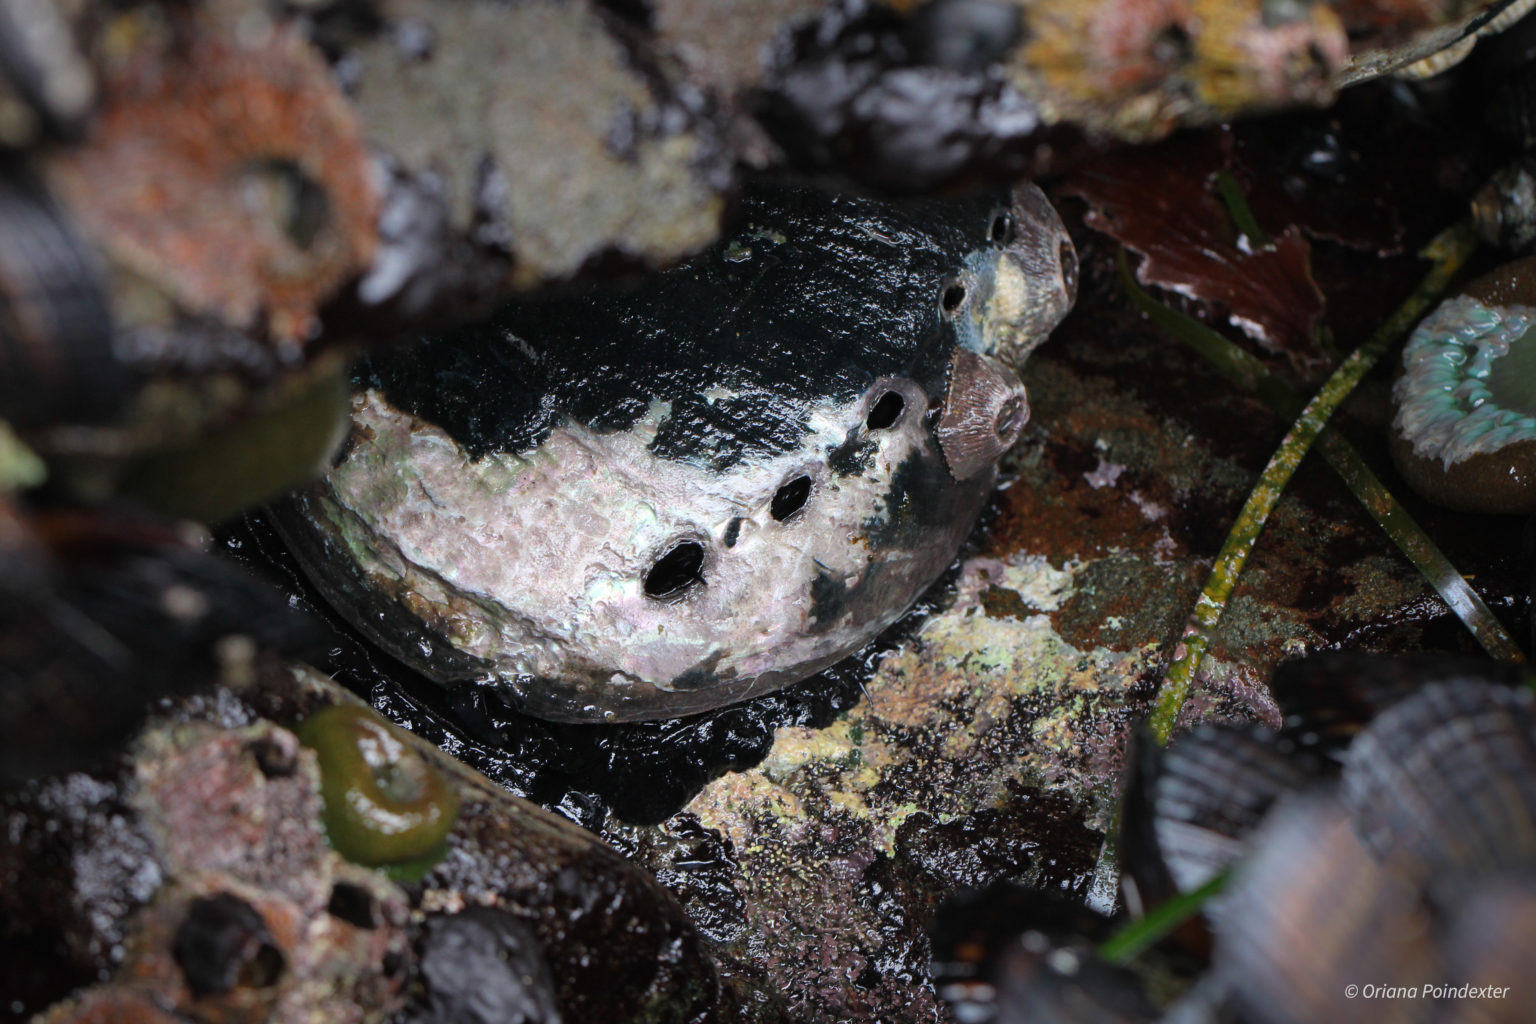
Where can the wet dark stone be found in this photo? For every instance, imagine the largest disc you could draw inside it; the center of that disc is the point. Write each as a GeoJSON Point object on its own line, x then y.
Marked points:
{"type": "Point", "coordinates": [1034, 838]}
{"type": "Point", "coordinates": [908, 104]}
{"type": "Point", "coordinates": [698, 866]}
{"type": "Point", "coordinates": [482, 966]}
{"type": "Point", "coordinates": [615, 942]}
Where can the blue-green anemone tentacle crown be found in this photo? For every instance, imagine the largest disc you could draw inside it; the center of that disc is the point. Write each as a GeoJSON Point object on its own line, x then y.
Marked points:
{"type": "Point", "coordinates": [1465, 430]}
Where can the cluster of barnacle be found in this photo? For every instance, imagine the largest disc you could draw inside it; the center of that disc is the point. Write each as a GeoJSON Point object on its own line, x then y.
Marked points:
{"type": "Point", "coordinates": [1383, 870]}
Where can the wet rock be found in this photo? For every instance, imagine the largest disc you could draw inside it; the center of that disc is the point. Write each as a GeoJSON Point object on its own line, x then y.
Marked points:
{"type": "Point", "coordinates": [584, 151]}
{"type": "Point", "coordinates": [617, 945]}
{"type": "Point", "coordinates": [75, 865]}
{"type": "Point", "coordinates": [1019, 689]}
{"type": "Point", "coordinates": [482, 966]}
{"type": "Point", "coordinates": [234, 808]}
{"type": "Point", "coordinates": [226, 171]}
{"type": "Point", "coordinates": [102, 612]}
{"type": "Point", "coordinates": [212, 882]}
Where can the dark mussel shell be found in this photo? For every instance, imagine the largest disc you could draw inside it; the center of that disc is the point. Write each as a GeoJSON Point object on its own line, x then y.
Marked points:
{"type": "Point", "coordinates": [1193, 805]}
{"type": "Point", "coordinates": [56, 358]}
{"type": "Point", "coordinates": [102, 613]}
{"type": "Point", "coordinates": [1443, 784]}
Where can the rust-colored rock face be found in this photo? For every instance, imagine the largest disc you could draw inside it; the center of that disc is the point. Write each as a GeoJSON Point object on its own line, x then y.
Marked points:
{"type": "Point", "coordinates": [227, 169]}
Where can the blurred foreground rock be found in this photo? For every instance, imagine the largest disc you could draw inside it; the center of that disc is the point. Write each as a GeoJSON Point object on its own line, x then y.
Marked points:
{"type": "Point", "coordinates": [197, 881]}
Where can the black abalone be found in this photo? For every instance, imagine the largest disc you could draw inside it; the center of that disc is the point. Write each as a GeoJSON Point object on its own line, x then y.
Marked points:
{"type": "Point", "coordinates": [649, 503]}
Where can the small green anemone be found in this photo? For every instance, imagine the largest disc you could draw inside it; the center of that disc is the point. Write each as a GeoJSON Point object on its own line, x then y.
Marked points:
{"type": "Point", "coordinates": [1465, 431]}
{"type": "Point", "coordinates": [385, 806]}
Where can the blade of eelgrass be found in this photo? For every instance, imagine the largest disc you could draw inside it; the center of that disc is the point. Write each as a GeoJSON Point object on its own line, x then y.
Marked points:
{"type": "Point", "coordinates": [1247, 372]}
{"type": "Point", "coordinates": [1448, 252]}
{"type": "Point", "coordinates": [1241, 213]}
{"type": "Point", "coordinates": [1141, 934]}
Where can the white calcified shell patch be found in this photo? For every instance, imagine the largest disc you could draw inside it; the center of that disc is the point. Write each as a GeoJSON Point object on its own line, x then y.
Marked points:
{"type": "Point", "coordinates": [538, 563]}
{"type": "Point", "coordinates": [1444, 406]}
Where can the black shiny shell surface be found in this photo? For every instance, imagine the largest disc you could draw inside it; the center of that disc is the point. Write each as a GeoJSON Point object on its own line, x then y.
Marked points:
{"type": "Point", "coordinates": [772, 330]}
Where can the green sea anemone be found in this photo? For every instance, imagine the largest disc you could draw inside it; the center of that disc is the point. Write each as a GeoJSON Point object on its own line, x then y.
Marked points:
{"type": "Point", "coordinates": [385, 806]}
{"type": "Point", "coordinates": [1465, 431]}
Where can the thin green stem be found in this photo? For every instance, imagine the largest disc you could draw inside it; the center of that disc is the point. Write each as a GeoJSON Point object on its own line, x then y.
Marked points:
{"type": "Point", "coordinates": [1140, 935]}
{"type": "Point", "coordinates": [1242, 214]}
{"type": "Point", "coordinates": [1247, 372]}
{"type": "Point", "coordinates": [1449, 252]}
{"type": "Point", "coordinates": [1414, 543]}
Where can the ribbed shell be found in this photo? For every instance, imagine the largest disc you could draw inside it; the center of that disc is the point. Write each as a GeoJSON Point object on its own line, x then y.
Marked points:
{"type": "Point", "coordinates": [1211, 790]}
{"type": "Point", "coordinates": [1444, 783]}
{"type": "Point", "coordinates": [1312, 912]}
{"type": "Point", "coordinates": [56, 360]}
{"type": "Point", "coordinates": [985, 410]}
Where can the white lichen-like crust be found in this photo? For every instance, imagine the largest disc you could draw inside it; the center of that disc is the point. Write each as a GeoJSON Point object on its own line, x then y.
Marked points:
{"type": "Point", "coordinates": [1445, 409]}
{"type": "Point", "coordinates": [534, 566]}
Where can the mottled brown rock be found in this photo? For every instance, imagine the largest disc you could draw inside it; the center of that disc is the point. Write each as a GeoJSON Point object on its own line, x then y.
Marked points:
{"type": "Point", "coordinates": [617, 944]}
{"type": "Point", "coordinates": [225, 168]}
{"type": "Point", "coordinates": [212, 810]}
{"type": "Point", "coordinates": [110, 1006]}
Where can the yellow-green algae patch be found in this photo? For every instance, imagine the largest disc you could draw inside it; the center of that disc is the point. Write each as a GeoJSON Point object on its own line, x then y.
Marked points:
{"type": "Point", "coordinates": [954, 706]}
